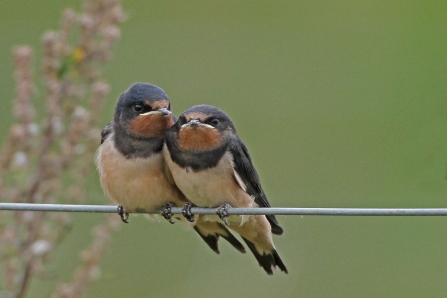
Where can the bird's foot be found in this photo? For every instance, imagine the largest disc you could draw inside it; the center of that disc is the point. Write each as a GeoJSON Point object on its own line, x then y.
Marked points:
{"type": "Point", "coordinates": [222, 211]}
{"type": "Point", "coordinates": [166, 211]}
{"type": "Point", "coordinates": [186, 211]}
{"type": "Point", "coordinates": [122, 212]}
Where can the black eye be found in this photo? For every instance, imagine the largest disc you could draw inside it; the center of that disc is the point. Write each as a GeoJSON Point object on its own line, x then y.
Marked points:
{"type": "Point", "coordinates": [214, 122]}
{"type": "Point", "coordinates": [138, 108]}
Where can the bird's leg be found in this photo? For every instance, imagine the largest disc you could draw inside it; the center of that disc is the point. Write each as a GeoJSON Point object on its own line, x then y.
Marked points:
{"type": "Point", "coordinates": [186, 211]}
{"type": "Point", "coordinates": [222, 211]}
{"type": "Point", "coordinates": [166, 212]}
{"type": "Point", "coordinates": [122, 212]}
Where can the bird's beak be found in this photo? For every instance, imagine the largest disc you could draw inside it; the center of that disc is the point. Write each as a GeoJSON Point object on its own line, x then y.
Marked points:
{"type": "Point", "coordinates": [164, 111]}
{"type": "Point", "coordinates": [196, 123]}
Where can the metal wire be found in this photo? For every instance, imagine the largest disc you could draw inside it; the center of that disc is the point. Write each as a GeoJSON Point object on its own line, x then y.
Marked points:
{"type": "Point", "coordinates": [236, 211]}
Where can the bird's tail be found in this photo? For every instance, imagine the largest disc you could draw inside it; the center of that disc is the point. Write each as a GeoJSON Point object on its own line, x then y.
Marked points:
{"type": "Point", "coordinates": [210, 231]}
{"type": "Point", "coordinates": [268, 259]}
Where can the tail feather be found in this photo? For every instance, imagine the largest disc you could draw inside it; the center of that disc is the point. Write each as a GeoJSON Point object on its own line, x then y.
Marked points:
{"type": "Point", "coordinates": [212, 237]}
{"type": "Point", "coordinates": [230, 238]}
{"type": "Point", "coordinates": [267, 260]}
{"type": "Point", "coordinates": [279, 262]}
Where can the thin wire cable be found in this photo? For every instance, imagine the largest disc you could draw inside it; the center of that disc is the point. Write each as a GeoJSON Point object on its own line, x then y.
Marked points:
{"type": "Point", "coordinates": [236, 211]}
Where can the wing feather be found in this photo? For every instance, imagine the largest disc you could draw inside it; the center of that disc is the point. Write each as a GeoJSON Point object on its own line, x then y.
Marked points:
{"type": "Point", "coordinates": [246, 173]}
{"type": "Point", "coordinates": [106, 131]}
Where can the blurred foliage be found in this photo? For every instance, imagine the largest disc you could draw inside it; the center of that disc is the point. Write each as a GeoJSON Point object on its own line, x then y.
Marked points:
{"type": "Point", "coordinates": [341, 104]}
{"type": "Point", "coordinates": [47, 159]}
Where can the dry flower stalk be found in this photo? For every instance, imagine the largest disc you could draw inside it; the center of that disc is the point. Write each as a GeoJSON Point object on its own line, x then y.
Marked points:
{"type": "Point", "coordinates": [48, 159]}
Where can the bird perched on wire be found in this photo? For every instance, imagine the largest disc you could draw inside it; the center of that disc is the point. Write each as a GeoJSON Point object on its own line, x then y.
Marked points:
{"type": "Point", "coordinates": [131, 164]}
{"type": "Point", "coordinates": [210, 164]}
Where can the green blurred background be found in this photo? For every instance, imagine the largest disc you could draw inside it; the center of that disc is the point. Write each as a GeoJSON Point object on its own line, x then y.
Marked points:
{"type": "Point", "coordinates": [341, 104]}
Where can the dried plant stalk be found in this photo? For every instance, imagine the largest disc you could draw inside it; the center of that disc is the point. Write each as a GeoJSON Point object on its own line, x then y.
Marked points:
{"type": "Point", "coordinates": [48, 159]}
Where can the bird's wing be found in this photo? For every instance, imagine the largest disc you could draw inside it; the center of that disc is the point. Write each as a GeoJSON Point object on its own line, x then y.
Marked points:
{"type": "Point", "coordinates": [106, 131]}
{"type": "Point", "coordinates": [248, 179]}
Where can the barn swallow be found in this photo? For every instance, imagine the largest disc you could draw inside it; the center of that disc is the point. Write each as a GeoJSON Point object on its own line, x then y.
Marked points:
{"type": "Point", "coordinates": [130, 162]}
{"type": "Point", "coordinates": [212, 167]}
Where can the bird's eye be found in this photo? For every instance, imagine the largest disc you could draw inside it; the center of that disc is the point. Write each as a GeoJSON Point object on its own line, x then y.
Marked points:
{"type": "Point", "coordinates": [138, 108]}
{"type": "Point", "coordinates": [214, 122]}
